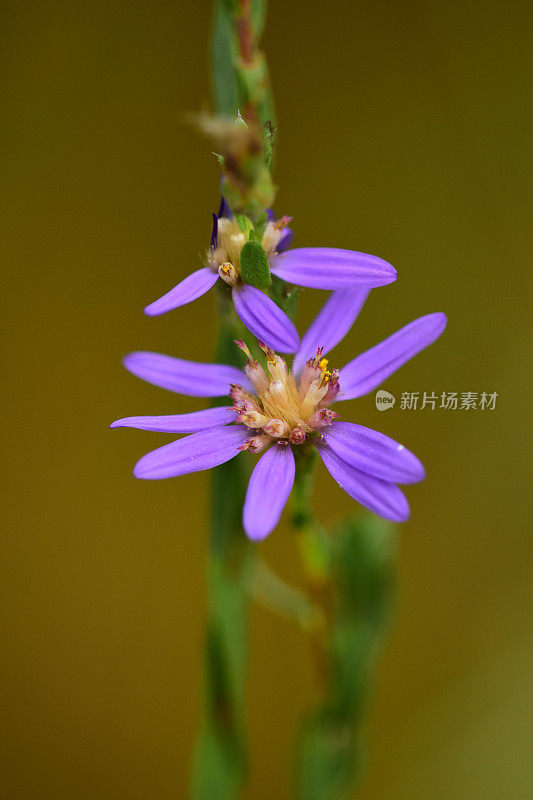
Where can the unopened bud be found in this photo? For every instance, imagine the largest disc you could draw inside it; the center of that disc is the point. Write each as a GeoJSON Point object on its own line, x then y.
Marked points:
{"type": "Point", "coordinates": [322, 418]}
{"type": "Point", "coordinates": [276, 428]}
{"type": "Point", "coordinates": [253, 419]}
{"type": "Point", "coordinates": [256, 443]}
{"type": "Point", "coordinates": [297, 436]}
{"type": "Point", "coordinates": [238, 394]}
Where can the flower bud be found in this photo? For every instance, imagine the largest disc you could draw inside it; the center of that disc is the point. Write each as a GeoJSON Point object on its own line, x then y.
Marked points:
{"type": "Point", "coordinates": [276, 428]}
{"type": "Point", "coordinates": [256, 443]}
{"type": "Point", "coordinates": [322, 418]}
{"type": "Point", "coordinates": [297, 436]}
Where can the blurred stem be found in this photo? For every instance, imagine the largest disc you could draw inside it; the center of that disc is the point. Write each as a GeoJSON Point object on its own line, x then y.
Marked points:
{"type": "Point", "coordinates": [267, 588]}
{"type": "Point", "coordinates": [244, 126]}
{"type": "Point", "coordinates": [221, 758]}
{"type": "Point", "coordinates": [245, 32]}
{"type": "Point", "coordinates": [315, 554]}
{"type": "Point", "coordinates": [350, 576]}
{"type": "Point", "coordinates": [313, 540]}
{"type": "Point", "coordinates": [220, 762]}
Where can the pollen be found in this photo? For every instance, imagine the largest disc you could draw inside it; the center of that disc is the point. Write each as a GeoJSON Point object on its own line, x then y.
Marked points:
{"type": "Point", "coordinates": [228, 273]}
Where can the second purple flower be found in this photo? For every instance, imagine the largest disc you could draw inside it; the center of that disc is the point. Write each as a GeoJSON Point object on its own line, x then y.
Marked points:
{"type": "Point", "coordinates": [234, 240]}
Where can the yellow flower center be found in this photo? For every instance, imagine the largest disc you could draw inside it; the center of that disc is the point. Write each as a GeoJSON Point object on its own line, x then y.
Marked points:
{"type": "Point", "coordinates": [285, 407]}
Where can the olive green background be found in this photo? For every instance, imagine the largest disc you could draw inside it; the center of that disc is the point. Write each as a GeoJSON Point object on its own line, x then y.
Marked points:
{"type": "Point", "coordinates": [404, 132]}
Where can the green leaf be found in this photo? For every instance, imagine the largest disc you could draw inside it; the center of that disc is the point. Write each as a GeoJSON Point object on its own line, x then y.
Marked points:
{"type": "Point", "coordinates": [244, 223]}
{"type": "Point", "coordinates": [328, 759]}
{"type": "Point", "coordinates": [365, 557]}
{"type": "Point", "coordinates": [254, 265]}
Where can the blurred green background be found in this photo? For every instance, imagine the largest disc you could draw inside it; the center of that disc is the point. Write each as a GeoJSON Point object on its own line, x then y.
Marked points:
{"type": "Point", "coordinates": [404, 131]}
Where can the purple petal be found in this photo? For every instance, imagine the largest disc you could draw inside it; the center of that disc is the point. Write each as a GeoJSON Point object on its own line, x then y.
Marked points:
{"type": "Point", "coordinates": [180, 423]}
{"type": "Point", "coordinates": [331, 324]}
{"type": "Point", "coordinates": [193, 453]}
{"type": "Point", "coordinates": [379, 496]}
{"type": "Point", "coordinates": [373, 453]}
{"type": "Point", "coordinates": [265, 319]}
{"type": "Point", "coordinates": [185, 377]}
{"type": "Point", "coordinates": [268, 490]}
{"type": "Point", "coordinates": [371, 368]}
{"type": "Point", "coordinates": [286, 240]}
{"type": "Point", "coordinates": [332, 268]}
{"type": "Point", "coordinates": [224, 210]}
{"type": "Point", "coordinates": [193, 286]}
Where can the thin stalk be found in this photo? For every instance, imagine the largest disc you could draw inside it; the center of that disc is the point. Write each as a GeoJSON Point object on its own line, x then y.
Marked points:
{"type": "Point", "coordinates": [221, 762]}
{"type": "Point", "coordinates": [239, 79]}
{"type": "Point", "coordinates": [350, 577]}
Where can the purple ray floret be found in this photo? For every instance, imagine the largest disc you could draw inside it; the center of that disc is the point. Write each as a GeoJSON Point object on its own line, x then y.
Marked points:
{"type": "Point", "coordinates": [382, 497]}
{"type": "Point", "coordinates": [265, 319]}
{"type": "Point", "coordinates": [332, 268]}
{"type": "Point", "coordinates": [180, 423]}
{"type": "Point", "coordinates": [331, 324]}
{"type": "Point", "coordinates": [191, 288]}
{"type": "Point", "coordinates": [368, 370]}
{"type": "Point", "coordinates": [185, 377]}
{"type": "Point", "coordinates": [194, 453]}
{"type": "Point", "coordinates": [373, 452]}
{"type": "Point", "coordinates": [269, 488]}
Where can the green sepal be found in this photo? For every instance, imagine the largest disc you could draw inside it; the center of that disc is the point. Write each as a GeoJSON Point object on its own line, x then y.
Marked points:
{"type": "Point", "coordinates": [254, 266]}
{"type": "Point", "coordinates": [256, 234]}
{"type": "Point", "coordinates": [244, 223]}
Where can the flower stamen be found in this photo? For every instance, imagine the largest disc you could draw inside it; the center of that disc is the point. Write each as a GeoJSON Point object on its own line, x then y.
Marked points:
{"type": "Point", "coordinates": [228, 273]}
{"type": "Point", "coordinates": [286, 409]}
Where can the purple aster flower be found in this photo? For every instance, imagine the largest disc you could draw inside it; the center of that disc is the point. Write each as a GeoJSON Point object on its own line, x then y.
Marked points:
{"type": "Point", "coordinates": [277, 409]}
{"type": "Point", "coordinates": [315, 267]}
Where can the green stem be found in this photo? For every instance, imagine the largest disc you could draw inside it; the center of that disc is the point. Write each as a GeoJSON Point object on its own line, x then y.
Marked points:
{"type": "Point", "coordinates": [240, 83]}
{"type": "Point", "coordinates": [267, 588]}
{"type": "Point", "coordinates": [313, 540]}
{"type": "Point", "coordinates": [351, 578]}
{"type": "Point", "coordinates": [220, 762]}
